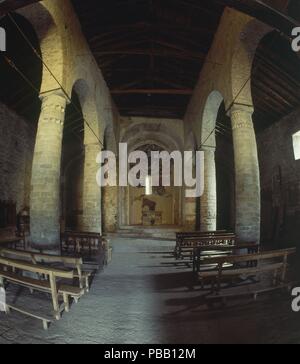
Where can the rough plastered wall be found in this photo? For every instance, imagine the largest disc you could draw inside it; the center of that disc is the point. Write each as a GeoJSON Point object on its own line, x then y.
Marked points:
{"type": "Point", "coordinates": [280, 182]}
{"type": "Point", "coordinates": [16, 152]}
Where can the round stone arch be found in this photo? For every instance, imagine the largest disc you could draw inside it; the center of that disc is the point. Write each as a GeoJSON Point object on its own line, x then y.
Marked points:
{"type": "Point", "coordinates": [164, 142]}
{"type": "Point", "coordinates": [143, 131]}
{"type": "Point", "coordinates": [52, 44]}
{"type": "Point", "coordinates": [92, 132]}
{"type": "Point", "coordinates": [240, 106]}
{"type": "Point", "coordinates": [208, 201]}
{"type": "Point", "coordinates": [110, 194]}
{"type": "Point", "coordinates": [91, 196]}
{"type": "Point", "coordinates": [209, 120]}
{"type": "Point", "coordinates": [190, 143]}
{"type": "Point", "coordinates": [109, 140]}
{"type": "Point", "coordinates": [242, 62]}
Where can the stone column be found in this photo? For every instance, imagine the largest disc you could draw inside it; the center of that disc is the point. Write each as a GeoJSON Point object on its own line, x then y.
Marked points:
{"type": "Point", "coordinates": [45, 180]}
{"type": "Point", "coordinates": [208, 209]}
{"type": "Point", "coordinates": [247, 176]}
{"type": "Point", "coordinates": [91, 220]}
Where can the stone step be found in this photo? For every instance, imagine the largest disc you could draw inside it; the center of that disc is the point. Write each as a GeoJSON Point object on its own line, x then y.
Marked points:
{"type": "Point", "coordinates": [139, 245]}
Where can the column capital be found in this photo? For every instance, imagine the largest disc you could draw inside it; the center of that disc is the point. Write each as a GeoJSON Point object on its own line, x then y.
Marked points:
{"type": "Point", "coordinates": [58, 93]}
{"type": "Point", "coordinates": [241, 117]}
{"type": "Point", "coordinates": [93, 146]}
{"type": "Point", "coordinates": [240, 108]}
{"type": "Point", "coordinates": [208, 149]}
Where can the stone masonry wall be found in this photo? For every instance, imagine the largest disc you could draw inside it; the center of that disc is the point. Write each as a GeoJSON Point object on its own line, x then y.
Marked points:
{"type": "Point", "coordinates": [280, 182]}
{"type": "Point", "coordinates": [16, 151]}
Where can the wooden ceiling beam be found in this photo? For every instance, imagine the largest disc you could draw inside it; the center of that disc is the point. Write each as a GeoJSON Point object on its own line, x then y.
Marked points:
{"type": "Point", "coordinates": [152, 91]}
{"type": "Point", "coordinates": [156, 53]}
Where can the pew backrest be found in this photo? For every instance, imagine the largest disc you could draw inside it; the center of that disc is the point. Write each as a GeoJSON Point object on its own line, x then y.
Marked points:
{"type": "Point", "coordinates": [80, 242]}
{"type": "Point", "coordinates": [36, 268]}
{"type": "Point", "coordinates": [193, 242]}
{"type": "Point", "coordinates": [258, 257]}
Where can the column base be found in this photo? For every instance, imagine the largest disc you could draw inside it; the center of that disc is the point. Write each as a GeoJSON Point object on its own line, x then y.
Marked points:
{"type": "Point", "coordinates": [46, 249]}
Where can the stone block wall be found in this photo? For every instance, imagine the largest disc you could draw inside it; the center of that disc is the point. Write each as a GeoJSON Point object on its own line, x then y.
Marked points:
{"type": "Point", "coordinates": [16, 153]}
{"type": "Point", "coordinates": [280, 182]}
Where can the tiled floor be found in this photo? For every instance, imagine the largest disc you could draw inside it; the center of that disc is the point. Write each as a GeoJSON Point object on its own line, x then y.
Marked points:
{"type": "Point", "coordinates": [140, 298]}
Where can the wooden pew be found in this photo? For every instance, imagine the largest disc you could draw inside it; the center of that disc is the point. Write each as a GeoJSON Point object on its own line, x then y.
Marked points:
{"type": "Point", "coordinates": [13, 271]}
{"type": "Point", "coordinates": [197, 234]}
{"type": "Point", "coordinates": [9, 238]}
{"type": "Point", "coordinates": [194, 234]}
{"type": "Point", "coordinates": [186, 248]}
{"type": "Point", "coordinates": [68, 262]}
{"type": "Point", "coordinates": [201, 253]}
{"type": "Point", "coordinates": [275, 262]}
{"type": "Point", "coordinates": [82, 242]}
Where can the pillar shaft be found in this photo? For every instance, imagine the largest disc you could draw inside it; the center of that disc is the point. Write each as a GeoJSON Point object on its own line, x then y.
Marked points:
{"type": "Point", "coordinates": [247, 177]}
{"type": "Point", "coordinates": [45, 182]}
{"type": "Point", "coordinates": [208, 210]}
{"type": "Point", "coordinates": [91, 220]}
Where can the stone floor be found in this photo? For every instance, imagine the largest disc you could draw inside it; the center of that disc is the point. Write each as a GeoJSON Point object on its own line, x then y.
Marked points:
{"type": "Point", "coordinates": [141, 298]}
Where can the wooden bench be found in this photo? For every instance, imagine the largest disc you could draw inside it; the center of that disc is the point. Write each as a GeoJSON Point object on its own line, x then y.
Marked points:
{"type": "Point", "coordinates": [247, 266]}
{"type": "Point", "coordinates": [68, 262]}
{"type": "Point", "coordinates": [201, 253]}
{"type": "Point", "coordinates": [82, 242]}
{"type": "Point", "coordinates": [44, 279]}
{"type": "Point", "coordinates": [186, 248]}
{"type": "Point", "coordinates": [193, 234]}
{"type": "Point", "coordinates": [9, 238]}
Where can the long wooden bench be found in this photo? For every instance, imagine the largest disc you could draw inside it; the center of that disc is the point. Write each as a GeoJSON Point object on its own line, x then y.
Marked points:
{"type": "Point", "coordinates": [196, 234]}
{"type": "Point", "coordinates": [86, 242]}
{"type": "Point", "coordinates": [201, 253]}
{"type": "Point", "coordinates": [44, 279]}
{"type": "Point", "coordinates": [247, 266]}
{"type": "Point", "coordinates": [81, 242]}
{"type": "Point", "coordinates": [9, 238]}
{"type": "Point", "coordinates": [181, 236]}
{"type": "Point", "coordinates": [185, 250]}
{"type": "Point", "coordinates": [65, 262]}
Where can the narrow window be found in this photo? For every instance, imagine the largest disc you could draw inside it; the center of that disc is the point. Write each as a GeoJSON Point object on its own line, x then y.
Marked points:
{"type": "Point", "coordinates": [148, 186]}
{"type": "Point", "coordinates": [296, 144]}
{"type": "Point", "coordinates": [2, 40]}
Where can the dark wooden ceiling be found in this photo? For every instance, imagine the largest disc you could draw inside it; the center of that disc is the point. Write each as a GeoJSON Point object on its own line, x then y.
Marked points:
{"type": "Point", "coordinates": [151, 53]}
{"type": "Point", "coordinates": [275, 80]}
{"type": "Point", "coordinates": [10, 5]}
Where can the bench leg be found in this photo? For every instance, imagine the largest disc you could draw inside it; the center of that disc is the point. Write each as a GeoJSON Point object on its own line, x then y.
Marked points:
{"type": "Point", "coordinates": [66, 302]}
{"type": "Point", "coordinates": [87, 284]}
{"type": "Point", "coordinates": [45, 325]}
{"type": "Point", "coordinates": [54, 295]}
